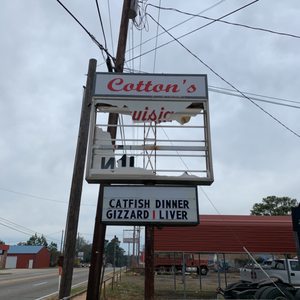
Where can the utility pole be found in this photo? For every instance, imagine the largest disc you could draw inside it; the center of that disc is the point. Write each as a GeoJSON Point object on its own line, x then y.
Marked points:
{"type": "Point", "coordinates": [76, 186]}
{"type": "Point", "coordinates": [149, 266]}
{"type": "Point", "coordinates": [93, 288]}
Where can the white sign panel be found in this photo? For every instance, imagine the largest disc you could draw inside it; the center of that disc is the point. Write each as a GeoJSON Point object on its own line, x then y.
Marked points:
{"type": "Point", "coordinates": [151, 85]}
{"type": "Point", "coordinates": [131, 205]}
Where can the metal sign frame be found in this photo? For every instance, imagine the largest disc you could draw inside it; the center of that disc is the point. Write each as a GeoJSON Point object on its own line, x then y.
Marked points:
{"type": "Point", "coordinates": [113, 161]}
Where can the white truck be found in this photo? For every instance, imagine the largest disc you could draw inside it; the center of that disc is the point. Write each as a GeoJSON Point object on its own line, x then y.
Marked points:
{"type": "Point", "coordinates": [280, 280]}
{"type": "Point", "coordinates": [287, 271]}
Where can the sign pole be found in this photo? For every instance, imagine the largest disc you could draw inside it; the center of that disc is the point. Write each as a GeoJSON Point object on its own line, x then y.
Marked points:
{"type": "Point", "coordinates": [149, 263]}
{"type": "Point", "coordinates": [97, 255]}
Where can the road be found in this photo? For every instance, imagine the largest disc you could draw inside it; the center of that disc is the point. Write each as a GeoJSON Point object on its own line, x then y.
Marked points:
{"type": "Point", "coordinates": [18, 284]}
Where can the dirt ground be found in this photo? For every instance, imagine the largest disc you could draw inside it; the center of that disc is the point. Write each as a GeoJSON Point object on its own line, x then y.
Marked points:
{"type": "Point", "coordinates": [131, 287]}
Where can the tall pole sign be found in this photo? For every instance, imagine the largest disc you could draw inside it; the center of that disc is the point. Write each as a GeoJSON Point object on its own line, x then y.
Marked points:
{"type": "Point", "coordinates": [132, 192]}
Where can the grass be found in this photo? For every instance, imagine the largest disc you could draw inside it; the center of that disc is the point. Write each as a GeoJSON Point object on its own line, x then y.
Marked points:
{"type": "Point", "coordinates": [131, 287]}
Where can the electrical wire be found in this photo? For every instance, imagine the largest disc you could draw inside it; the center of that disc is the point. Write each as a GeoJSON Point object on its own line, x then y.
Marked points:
{"type": "Point", "coordinates": [156, 40]}
{"type": "Point", "coordinates": [201, 12]}
{"type": "Point", "coordinates": [38, 197]}
{"type": "Point", "coordinates": [197, 29]}
{"type": "Point", "coordinates": [233, 93]}
{"type": "Point", "coordinates": [227, 22]}
{"type": "Point", "coordinates": [22, 229]}
{"type": "Point", "coordinates": [30, 231]}
{"type": "Point", "coordinates": [211, 87]}
{"type": "Point", "coordinates": [110, 26]}
{"type": "Point", "coordinates": [101, 23]}
{"type": "Point", "coordinates": [89, 34]}
{"type": "Point", "coordinates": [227, 82]}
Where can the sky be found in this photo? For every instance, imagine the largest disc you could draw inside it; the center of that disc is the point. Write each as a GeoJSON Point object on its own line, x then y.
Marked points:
{"type": "Point", "coordinates": [44, 62]}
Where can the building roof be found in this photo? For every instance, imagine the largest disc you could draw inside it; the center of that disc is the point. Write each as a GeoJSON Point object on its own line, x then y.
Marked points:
{"type": "Point", "coordinates": [24, 249]}
{"type": "Point", "coordinates": [230, 234]}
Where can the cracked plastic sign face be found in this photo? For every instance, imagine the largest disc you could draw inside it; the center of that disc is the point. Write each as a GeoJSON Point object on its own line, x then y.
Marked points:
{"type": "Point", "coordinates": [150, 107]}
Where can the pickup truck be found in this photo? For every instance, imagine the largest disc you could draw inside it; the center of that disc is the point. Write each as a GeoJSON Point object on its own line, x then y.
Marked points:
{"type": "Point", "coordinates": [287, 271]}
{"type": "Point", "coordinates": [280, 280]}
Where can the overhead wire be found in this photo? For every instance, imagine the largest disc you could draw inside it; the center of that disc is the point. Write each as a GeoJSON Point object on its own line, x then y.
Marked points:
{"type": "Point", "coordinates": [196, 29]}
{"type": "Point", "coordinates": [38, 197]}
{"type": "Point", "coordinates": [101, 23]}
{"type": "Point", "coordinates": [227, 22]}
{"type": "Point", "coordinates": [101, 47]}
{"type": "Point", "coordinates": [22, 229]}
{"type": "Point", "coordinates": [226, 81]}
{"type": "Point", "coordinates": [232, 92]}
{"type": "Point", "coordinates": [110, 26]}
{"type": "Point", "coordinates": [156, 40]}
{"type": "Point", "coordinates": [29, 231]}
{"type": "Point", "coordinates": [205, 10]}
{"type": "Point", "coordinates": [211, 87]}
{"type": "Point", "coordinates": [235, 94]}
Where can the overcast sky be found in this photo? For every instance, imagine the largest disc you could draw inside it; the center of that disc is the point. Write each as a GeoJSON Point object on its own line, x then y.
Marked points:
{"type": "Point", "coordinates": [44, 61]}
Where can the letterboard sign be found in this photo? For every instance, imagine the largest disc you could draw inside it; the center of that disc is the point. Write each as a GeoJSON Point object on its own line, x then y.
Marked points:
{"type": "Point", "coordinates": [144, 205]}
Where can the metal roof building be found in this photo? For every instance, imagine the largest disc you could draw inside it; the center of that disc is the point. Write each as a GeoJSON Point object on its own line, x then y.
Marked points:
{"type": "Point", "coordinates": [24, 249]}
{"type": "Point", "coordinates": [230, 234]}
{"type": "Point", "coordinates": [28, 257]}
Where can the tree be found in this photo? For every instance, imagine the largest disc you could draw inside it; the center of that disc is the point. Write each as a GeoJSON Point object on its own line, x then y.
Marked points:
{"type": "Point", "coordinates": [2, 243]}
{"type": "Point", "coordinates": [82, 245]}
{"type": "Point", "coordinates": [274, 206]}
{"type": "Point", "coordinates": [114, 253]}
{"type": "Point", "coordinates": [52, 247]}
{"type": "Point", "coordinates": [36, 240]}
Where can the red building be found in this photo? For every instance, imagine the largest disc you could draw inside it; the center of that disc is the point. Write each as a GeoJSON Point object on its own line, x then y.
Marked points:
{"type": "Point", "coordinates": [229, 234]}
{"type": "Point", "coordinates": [3, 255]}
{"type": "Point", "coordinates": [27, 257]}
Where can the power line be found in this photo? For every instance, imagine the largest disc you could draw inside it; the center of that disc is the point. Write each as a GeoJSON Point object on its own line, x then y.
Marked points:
{"type": "Point", "coordinates": [227, 22]}
{"type": "Point", "coordinates": [23, 229]}
{"type": "Point", "coordinates": [232, 92]}
{"type": "Point", "coordinates": [38, 197]}
{"type": "Point", "coordinates": [192, 31]}
{"type": "Point", "coordinates": [156, 40]}
{"type": "Point", "coordinates": [227, 82]}
{"type": "Point", "coordinates": [111, 35]}
{"type": "Point", "coordinates": [211, 87]}
{"type": "Point", "coordinates": [203, 11]}
{"type": "Point", "coordinates": [101, 23]}
{"type": "Point", "coordinates": [89, 34]}
{"type": "Point", "coordinates": [30, 231]}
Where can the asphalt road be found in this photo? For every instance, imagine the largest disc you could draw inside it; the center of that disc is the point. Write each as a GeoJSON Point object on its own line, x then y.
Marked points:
{"type": "Point", "coordinates": [19, 284]}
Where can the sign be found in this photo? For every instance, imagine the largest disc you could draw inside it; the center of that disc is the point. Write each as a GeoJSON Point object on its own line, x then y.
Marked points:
{"type": "Point", "coordinates": [143, 205]}
{"type": "Point", "coordinates": [150, 85]}
{"type": "Point", "coordinates": [164, 119]}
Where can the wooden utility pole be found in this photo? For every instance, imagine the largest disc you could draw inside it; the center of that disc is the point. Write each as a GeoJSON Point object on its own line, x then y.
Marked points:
{"type": "Point", "coordinates": [149, 266]}
{"type": "Point", "coordinates": [93, 290]}
{"type": "Point", "coordinates": [76, 186]}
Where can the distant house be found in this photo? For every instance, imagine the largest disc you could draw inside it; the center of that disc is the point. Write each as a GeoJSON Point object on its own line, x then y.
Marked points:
{"type": "Point", "coordinates": [27, 257]}
{"type": "Point", "coordinates": [3, 255]}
